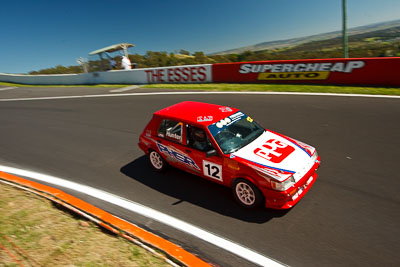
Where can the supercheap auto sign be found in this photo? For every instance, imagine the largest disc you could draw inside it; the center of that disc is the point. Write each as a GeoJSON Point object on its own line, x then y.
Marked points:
{"type": "Point", "coordinates": [299, 71]}
{"type": "Point", "coordinates": [365, 71]}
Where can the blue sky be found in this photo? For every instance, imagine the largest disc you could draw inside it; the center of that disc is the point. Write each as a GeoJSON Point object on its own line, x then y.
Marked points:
{"type": "Point", "coordinates": [43, 34]}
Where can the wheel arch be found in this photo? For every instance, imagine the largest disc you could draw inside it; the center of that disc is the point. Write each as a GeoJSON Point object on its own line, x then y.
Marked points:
{"type": "Point", "coordinates": [245, 177]}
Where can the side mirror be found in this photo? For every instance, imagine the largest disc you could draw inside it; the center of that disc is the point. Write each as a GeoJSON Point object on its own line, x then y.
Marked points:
{"type": "Point", "coordinates": [211, 153]}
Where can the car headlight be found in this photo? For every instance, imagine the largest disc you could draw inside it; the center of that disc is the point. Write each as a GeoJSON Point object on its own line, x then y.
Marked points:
{"type": "Point", "coordinates": [315, 156]}
{"type": "Point", "coordinates": [275, 184]}
{"type": "Point", "coordinates": [282, 186]}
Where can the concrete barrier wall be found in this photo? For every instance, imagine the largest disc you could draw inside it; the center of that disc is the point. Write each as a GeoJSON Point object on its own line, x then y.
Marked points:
{"type": "Point", "coordinates": [354, 71]}
{"type": "Point", "coordinates": [178, 74]}
{"type": "Point", "coordinates": [61, 79]}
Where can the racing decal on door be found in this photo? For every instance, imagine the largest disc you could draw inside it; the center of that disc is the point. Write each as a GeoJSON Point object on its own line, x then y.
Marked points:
{"type": "Point", "coordinates": [177, 156]}
{"type": "Point", "coordinates": [212, 170]}
{"type": "Point", "coordinates": [274, 150]}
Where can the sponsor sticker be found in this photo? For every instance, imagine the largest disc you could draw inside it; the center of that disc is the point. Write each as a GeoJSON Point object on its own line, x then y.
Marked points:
{"type": "Point", "coordinates": [225, 109]}
{"type": "Point", "coordinates": [300, 190]}
{"type": "Point", "coordinates": [274, 150]}
{"type": "Point", "coordinates": [204, 118]}
{"type": "Point", "coordinates": [148, 133]}
{"type": "Point", "coordinates": [222, 124]}
{"type": "Point", "coordinates": [170, 152]}
{"type": "Point", "coordinates": [174, 136]}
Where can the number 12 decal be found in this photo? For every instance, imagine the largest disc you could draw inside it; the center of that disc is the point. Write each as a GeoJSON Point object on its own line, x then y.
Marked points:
{"type": "Point", "coordinates": [210, 169]}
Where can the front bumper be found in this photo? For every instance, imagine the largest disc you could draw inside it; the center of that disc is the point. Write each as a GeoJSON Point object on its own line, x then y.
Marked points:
{"type": "Point", "coordinates": [287, 199]}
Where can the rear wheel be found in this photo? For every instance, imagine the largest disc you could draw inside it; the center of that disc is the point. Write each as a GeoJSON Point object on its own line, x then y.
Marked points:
{"type": "Point", "coordinates": [157, 161]}
{"type": "Point", "coordinates": [246, 193]}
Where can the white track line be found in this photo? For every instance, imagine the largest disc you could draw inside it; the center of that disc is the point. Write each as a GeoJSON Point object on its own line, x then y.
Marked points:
{"type": "Point", "coordinates": [218, 241]}
{"type": "Point", "coordinates": [7, 88]}
{"type": "Point", "coordinates": [197, 93]}
{"type": "Point", "coordinates": [125, 89]}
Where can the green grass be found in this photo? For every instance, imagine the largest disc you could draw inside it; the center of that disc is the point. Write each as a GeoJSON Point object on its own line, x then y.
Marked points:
{"type": "Point", "coordinates": [281, 88]}
{"type": "Point", "coordinates": [247, 87]}
{"type": "Point", "coordinates": [53, 237]}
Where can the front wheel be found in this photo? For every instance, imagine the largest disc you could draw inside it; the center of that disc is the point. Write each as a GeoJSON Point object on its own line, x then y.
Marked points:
{"type": "Point", "coordinates": [246, 193]}
{"type": "Point", "coordinates": [157, 161]}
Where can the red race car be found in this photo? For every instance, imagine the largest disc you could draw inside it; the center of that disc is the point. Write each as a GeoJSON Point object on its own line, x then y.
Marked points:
{"type": "Point", "coordinates": [224, 145]}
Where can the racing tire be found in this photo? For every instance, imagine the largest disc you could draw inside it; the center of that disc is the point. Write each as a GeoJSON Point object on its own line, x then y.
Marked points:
{"type": "Point", "coordinates": [157, 161]}
{"type": "Point", "coordinates": [246, 193]}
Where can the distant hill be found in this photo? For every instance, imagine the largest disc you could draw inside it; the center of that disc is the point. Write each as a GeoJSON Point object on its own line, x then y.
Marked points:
{"type": "Point", "coordinates": [376, 40]}
{"type": "Point", "coordinates": [390, 29]}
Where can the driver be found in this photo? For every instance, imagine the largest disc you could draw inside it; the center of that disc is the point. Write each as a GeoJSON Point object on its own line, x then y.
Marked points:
{"type": "Point", "coordinates": [199, 139]}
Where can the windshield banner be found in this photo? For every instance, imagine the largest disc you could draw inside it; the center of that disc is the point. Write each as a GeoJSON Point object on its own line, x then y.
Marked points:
{"type": "Point", "coordinates": [224, 123]}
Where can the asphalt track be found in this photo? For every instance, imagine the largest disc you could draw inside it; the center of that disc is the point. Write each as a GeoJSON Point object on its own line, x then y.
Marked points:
{"type": "Point", "coordinates": [349, 218]}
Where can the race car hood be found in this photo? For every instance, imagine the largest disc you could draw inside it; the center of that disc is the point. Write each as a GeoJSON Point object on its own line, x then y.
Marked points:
{"type": "Point", "coordinates": [277, 156]}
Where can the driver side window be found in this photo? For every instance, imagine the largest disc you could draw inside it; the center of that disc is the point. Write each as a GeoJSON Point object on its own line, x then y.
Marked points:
{"type": "Point", "coordinates": [197, 139]}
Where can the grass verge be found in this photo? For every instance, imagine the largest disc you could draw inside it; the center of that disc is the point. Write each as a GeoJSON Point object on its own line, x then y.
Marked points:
{"type": "Point", "coordinates": [281, 88]}
{"type": "Point", "coordinates": [53, 237]}
{"type": "Point", "coordinates": [246, 87]}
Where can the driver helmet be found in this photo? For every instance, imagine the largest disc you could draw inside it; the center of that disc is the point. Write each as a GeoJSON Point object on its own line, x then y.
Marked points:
{"type": "Point", "coordinates": [199, 135]}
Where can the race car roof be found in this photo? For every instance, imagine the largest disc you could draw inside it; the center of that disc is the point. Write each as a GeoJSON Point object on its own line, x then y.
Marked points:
{"type": "Point", "coordinates": [197, 112]}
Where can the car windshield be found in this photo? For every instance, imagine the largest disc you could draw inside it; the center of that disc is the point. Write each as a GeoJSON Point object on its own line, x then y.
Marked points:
{"type": "Point", "coordinates": [234, 132]}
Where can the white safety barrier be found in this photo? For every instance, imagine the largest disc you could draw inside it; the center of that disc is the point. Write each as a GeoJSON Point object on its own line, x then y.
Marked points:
{"type": "Point", "coordinates": [352, 71]}
{"type": "Point", "coordinates": [178, 74]}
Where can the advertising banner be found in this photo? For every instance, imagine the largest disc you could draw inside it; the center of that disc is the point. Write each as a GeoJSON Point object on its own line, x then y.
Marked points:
{"type": "Point", "coordinates": [176, 74]}
{"type": "Point", "coordinates": [354, 71]}
{"type": "Point", "coordinates": [179, 74]}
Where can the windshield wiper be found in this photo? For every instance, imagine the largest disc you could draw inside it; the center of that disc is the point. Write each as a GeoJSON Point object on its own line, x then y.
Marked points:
{"type": "Point", "coordinates": [234, 150]}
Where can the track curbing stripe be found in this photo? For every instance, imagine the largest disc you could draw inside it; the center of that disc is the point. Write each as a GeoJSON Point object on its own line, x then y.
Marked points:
{"type": "Point", "coordinates": [216, 240]}
{"type": "Point", "coordinates": [171, 249]}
